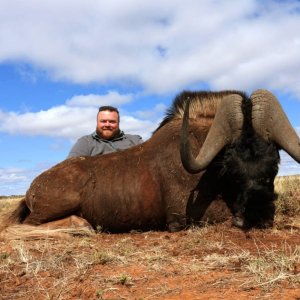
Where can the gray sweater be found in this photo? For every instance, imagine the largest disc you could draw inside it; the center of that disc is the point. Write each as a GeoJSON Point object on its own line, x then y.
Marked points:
{"type": "Point", "coordinates": [92, 144]}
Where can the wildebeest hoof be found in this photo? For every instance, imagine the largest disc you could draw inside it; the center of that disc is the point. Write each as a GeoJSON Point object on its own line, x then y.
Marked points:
{"type": "Point", "coordinates": [174, 227]}
{"type": "Point", "coordinates": [238, 222]}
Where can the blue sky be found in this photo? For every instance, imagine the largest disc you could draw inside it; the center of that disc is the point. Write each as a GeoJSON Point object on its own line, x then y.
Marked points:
{"type": "Point", "coordinates": [61, 60]}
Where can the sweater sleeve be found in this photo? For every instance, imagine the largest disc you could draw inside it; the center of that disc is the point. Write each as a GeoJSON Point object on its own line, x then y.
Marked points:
{"type": "Point", "coordinates": [80, 148]}
{"type": "Point", "coordinates": [135, 139]}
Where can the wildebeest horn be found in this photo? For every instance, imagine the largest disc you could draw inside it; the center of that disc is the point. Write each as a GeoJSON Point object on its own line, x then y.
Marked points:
{"type": "Point", "coordinates": [226, 127]}
{"type": "Point", "coordinates": [270, 122]}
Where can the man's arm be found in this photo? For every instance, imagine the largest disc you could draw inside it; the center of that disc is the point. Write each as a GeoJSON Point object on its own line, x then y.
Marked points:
{"type": "Point", "coordinates": [80, 148]}
{"type": "Point", "coordinates": [135, 139]}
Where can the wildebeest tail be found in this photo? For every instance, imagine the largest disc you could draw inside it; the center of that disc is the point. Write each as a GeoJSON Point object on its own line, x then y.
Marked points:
{"type": "Point", "coordinates": [19, 214]}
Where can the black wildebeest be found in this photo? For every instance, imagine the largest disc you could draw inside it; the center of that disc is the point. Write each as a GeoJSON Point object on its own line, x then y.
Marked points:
{"type": "Point", "coordinates": [241, 152]}
{"type": "Point", "coordinates": [147, 187]}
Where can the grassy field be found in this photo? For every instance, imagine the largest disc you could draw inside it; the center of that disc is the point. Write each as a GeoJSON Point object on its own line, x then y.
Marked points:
{"type": "Point", "coordinates": [210, 262]}
{"type": "Point", "coordinates": [288, 202]}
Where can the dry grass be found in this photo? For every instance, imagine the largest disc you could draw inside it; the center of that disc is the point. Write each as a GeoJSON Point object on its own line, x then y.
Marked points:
{"type": "Point", "coordinates": [105, 264]}
{"type": "Point", "coordinates": [212, 261]}
{"type": "Point", "coordinates": [288, 202]}
{"type": "Point", "coordinates": [8, 203]}
{"type": "Point", "coordinates": [288, 189]}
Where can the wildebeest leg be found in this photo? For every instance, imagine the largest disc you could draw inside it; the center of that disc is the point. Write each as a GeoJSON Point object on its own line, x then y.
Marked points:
{"type": "Point", "coordinates": [47, 217]}
{"type": "Point", "coordinates": [197, 206]}
{"type": "Point", "coordinates": [175, 213]}
{"type": "Point", "coordinates": [175, 222]}
{"type": "Point", "coordinates": [44, 208]}
{"type": "Point", "coordinates": [201, 197]}
{"type": "Point", "coordinates": [63, 228]}
{"type": "Point", "coordinates": [37, 217]}
{"type": "Point", "coordinates": [68, 222]}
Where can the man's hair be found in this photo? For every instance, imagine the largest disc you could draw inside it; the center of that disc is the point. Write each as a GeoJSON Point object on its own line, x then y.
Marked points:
{"type": "Point", "coordinates": [109, 108]}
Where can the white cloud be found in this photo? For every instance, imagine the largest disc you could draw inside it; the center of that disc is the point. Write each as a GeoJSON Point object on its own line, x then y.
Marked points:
{"type": "Point", "coordinates": [60, 121]}
{"type": "Point", "coordinates": [76, 118]}
{"type": "Point", "coordinates": [153, 113]}
{"type": "Point", "coordinates": [137, 126]}
{"type": "Point", "coordinates": [161, 45]}
{"type": "Point", "coordinates": [112, 98]}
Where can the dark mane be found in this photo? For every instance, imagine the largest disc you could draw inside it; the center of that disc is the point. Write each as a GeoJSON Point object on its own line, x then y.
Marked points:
{"type": "Point", "coordinates": [203, 104]}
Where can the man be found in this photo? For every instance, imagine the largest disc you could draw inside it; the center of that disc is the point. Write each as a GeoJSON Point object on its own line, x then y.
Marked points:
{"type": "Point", "coordinates": [107, 138]}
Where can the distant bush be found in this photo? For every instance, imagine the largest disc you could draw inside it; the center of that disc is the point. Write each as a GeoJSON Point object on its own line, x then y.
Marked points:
{"type": "Point", "coordinates": [11, 196]}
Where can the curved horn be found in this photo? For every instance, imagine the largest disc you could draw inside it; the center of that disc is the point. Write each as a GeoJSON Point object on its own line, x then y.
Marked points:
{"type": "Point", "coordinates": [226, 127]}
{"type": "Point", "coordinates": [270, 122]}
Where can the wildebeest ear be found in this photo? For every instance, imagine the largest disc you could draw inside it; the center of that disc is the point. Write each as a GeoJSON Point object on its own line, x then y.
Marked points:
{"type": "Point", "coordinates": [226, 128]}
{"type": "Point", "coordinates": [270, 122]}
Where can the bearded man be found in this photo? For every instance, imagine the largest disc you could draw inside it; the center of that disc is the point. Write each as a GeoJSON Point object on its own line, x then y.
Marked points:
{"type": "Point", "coordinates": [107, 138]}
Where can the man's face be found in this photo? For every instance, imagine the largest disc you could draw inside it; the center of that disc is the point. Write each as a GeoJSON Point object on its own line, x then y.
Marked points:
{"type": "Point", "coordinates": [107, 124]}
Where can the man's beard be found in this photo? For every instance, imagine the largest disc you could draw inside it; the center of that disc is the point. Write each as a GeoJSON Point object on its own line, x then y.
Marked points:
{"type": "Point", "coordinates": [108, 133]}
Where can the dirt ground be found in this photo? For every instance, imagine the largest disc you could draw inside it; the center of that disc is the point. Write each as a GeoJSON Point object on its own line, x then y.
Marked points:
{"type": "Point", "coordinates": [210, 262]}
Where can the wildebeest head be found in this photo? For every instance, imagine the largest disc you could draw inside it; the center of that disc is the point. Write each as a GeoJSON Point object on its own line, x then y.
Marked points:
{"type": "Point", "coordinates": [243, 142]}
